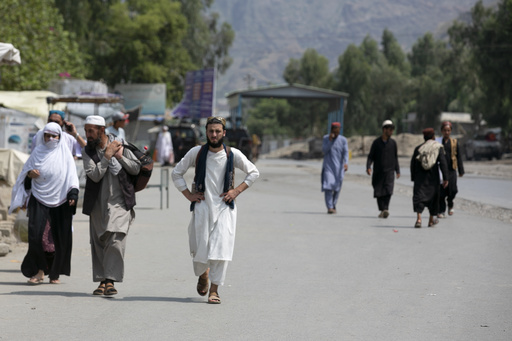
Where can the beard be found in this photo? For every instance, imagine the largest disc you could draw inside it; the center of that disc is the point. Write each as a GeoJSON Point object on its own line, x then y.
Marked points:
{"type": "Point", "coordinates": [215, 145]}
{"type": "Point", "coordinates": [94, 143]}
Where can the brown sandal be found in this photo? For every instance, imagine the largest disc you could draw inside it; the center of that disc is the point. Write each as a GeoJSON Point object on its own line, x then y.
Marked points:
{"type": "Point", "coordinates": [202, 286]}
{"type": "Point", "coordinates": [100, 290]}
{"type": "Point", "coordinates": [433, 222]}
{"type": "Point", "coordinates": [214, 298]}
{"type": "Point", "coordinates": [109, 289]}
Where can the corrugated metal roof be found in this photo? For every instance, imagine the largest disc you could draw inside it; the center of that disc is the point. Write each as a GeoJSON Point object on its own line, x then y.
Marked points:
{"type": "Point", "coordinates": [289, 91]}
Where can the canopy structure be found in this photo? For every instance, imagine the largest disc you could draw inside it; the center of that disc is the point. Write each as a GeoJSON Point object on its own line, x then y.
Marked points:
{"type": "Point", "coordinates": [11, 163]}
{"type": "Point", "coordinates": [9, 54]}
{"type": "Point", "coordinates": [85, 104]}
{"type": "Point", "coordinates": [337, 100]}
{"type": "Point", "coordinates": [30, 102]}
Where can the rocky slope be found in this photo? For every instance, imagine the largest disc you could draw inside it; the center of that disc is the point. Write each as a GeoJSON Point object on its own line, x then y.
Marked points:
{"type": "Point", "coordinates": [270, 32]}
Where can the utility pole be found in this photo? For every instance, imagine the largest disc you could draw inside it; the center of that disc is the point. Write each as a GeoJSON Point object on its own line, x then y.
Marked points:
{"type": "Point", "coordinates": [248, 78]}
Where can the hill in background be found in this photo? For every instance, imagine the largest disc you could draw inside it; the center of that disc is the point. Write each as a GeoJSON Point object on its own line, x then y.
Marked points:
{"type": "Point", "coordinates": [270, 32]}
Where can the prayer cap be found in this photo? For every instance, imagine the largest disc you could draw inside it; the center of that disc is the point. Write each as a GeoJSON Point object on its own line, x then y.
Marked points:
{"type": "Point", "coordinates": [95, 120]}
{"type": "Point", "coordinates": [52, 128]}
{"type": "Point", "coordinates": [120, 116]}
{"type": "Point", "coordinates": [336, 124]}
{"type": "Point", "coordinates": [388, 123]}
{"type": "Point", "coordinates": [446, 123]}
{"type": "Point", "coordinates": [58, 112]}
{"type": "Point", "coordinates": [428, 133]}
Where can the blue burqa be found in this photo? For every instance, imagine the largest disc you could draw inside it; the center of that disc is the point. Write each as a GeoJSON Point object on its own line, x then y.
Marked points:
{"type": "Point", "coordinates": [335, 156]}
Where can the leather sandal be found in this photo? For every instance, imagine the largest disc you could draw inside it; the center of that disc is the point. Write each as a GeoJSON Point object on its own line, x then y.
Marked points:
{"type": "Point", "coordinates": [214, 298]}
{"type": "Point", "coordinates": [100, 290]}
{"type": "Point", "coordinates": [109, 289]}
{"type": "Point", "coordinates": [433, 222]}
{"type": "Point", "coordinates": [418, 224]}
{"type": "Point", "coordinates": [202, 286]}
{"type": "Point", "coordinates": [35, 280]}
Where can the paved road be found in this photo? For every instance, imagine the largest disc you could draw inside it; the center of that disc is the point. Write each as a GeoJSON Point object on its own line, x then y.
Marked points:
{"type": "Point", "coordinates": [297, 274]}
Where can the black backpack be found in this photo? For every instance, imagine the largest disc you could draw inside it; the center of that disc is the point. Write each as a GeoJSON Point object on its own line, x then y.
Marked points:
{"type": "Point", "coordinates": [141, 180]}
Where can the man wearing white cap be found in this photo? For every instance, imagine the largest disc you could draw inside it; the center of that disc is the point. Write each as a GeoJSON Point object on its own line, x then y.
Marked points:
{"type": "Point", "coordinates": [165, 152]}
{"type": "Point", "coordinates": [118, 123]}
{"type": "Point", "coordinates": [384, 156]}
{"type": "Point", "coordinates": [108, 200]}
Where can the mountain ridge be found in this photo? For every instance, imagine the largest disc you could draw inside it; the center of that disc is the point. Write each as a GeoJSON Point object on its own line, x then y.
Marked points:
{"type": "Point", "coordinates": [270, 32]}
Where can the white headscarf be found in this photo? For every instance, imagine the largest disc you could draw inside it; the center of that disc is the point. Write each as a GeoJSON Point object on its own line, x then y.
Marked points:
{"type": "Point", "coordinates": [57, 171]}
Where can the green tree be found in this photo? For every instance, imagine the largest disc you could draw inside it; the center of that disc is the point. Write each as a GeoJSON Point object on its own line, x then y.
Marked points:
{"type": "Point", "coordinates": [393, 52]}
{"type": "Point", "coordinates": [291, 73]}
{"type": "Point", "coordinates": [35, 27]}
{"type": "Point", "coordinates": [207, 40]}
{"type": "Point", "coordinates": [488, 38]}
{"type": "Point", "coordinates": [312, 70]}
{"type": "Point", "coordinates": [142, 43]}
{"type": "Point", "coordinates": [267, 116]}
{"type": "Point", "coordinates": [429, 83]}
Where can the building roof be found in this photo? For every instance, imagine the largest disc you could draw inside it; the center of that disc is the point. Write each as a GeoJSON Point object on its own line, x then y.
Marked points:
{"type": "Point", "coordinates": [289, 91]}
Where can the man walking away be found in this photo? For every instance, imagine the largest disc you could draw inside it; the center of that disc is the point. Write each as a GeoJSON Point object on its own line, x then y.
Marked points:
{"type": "Point", "coordinates": [335, 164]}
{"type": "Point", "coordinates": [384, 156]}
{"type": "Point", "coordinates": [428, 158]}
{"type": "Point", "coordinates": [108, 201]}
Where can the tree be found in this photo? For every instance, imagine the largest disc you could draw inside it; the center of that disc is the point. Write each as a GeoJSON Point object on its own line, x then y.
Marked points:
{"type": "Point", "coordinates": [207, 41]}
{"type": "Point", "coordinates": [427, 58]}
{"type": "Point", "coordinates": [393, 52]}
{"type": "Point", "coordinates": [35, 27]}
{"type": "Point", "coordinates": [142, 43]}
{"type": "Point", "coordinates": [266, 118]}
{"type": "Point", "coordinates": [488, 38]}
{"type": "Point", "coordinates": [291, 73]}
{"type": "Point", "coordinates": [312, 70]}
{"type": "Point", "coordinates": [353, 77]}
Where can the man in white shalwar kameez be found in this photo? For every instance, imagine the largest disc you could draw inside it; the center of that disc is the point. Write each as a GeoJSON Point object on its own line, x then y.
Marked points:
{"type": "Point", "coordinates": [213, 224]}
{"type": "Point", "coordinates": [165, 153]}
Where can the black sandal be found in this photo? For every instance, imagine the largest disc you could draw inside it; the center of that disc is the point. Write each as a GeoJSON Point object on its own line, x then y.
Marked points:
{"type": "Point", "coordinates": [109, 289]}
{"type": "Point", "coordinates": [100, 290]}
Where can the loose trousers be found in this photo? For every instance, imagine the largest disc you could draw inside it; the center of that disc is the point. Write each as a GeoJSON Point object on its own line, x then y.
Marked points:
{"type": "Point", "coordinates": [107, 253]}
{"type": "Point", "coordinates": [217, 272]}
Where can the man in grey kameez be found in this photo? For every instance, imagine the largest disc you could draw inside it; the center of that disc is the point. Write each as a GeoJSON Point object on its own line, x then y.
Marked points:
{"type": "Point", "coordinates": [109, 200]}
{"type": "Point", "coordinates": [335, 149]}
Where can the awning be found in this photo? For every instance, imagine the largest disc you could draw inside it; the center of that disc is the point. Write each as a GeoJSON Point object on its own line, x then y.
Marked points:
{"type": "Point", "coordinates": [11, 163]}
{"type": "Point", "coordinates": [31, 102]}
{"type": "Point", "coordinates": [9, 54]}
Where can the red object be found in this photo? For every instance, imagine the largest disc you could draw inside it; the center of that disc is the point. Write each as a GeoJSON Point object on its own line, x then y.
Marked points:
{"type": "Point", "coordinates": [395, 230]}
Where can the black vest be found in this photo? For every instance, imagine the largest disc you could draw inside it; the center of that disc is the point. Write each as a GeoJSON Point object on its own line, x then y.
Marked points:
{"type": "Point", "coordinates": [92, 189]}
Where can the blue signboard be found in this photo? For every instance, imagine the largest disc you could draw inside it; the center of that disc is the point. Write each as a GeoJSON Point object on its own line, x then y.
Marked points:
{"type": "Point", "coordinates": [199, 94]}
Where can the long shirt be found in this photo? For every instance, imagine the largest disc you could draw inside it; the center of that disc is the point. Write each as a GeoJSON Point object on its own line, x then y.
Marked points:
{"type": "Point", "coordinates": [426, 182]}
{"type": "Point", "coordinates": [109, 212]}
{"type": "Point", "coordinates": [335, 156]}
{"type": "Point", "coordinates": [384, 157]}
{"type": "Point", "coordinates": [213, 224]}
